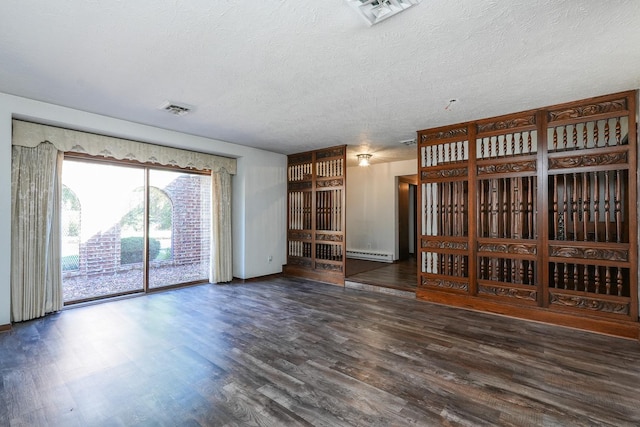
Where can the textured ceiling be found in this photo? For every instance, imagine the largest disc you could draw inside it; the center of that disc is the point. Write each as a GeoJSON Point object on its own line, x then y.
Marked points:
{"type": "Point", "coordinates": [290, 76]}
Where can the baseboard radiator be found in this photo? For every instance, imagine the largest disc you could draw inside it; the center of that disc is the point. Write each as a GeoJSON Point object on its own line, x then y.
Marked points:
{"type": "Point", "coordinates": [369, 255]}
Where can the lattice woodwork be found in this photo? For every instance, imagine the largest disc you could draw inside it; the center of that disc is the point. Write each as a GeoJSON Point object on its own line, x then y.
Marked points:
{"type": "Point", "coordinates": [316, 215]}
{"type": "Point", "coordinates": [534, 210]}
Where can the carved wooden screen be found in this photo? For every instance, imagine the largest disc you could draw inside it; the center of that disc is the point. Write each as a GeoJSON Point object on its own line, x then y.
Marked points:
{"type": "Point", "coordinates": [535, 209]}
{"type": "Point", "coordinates": [316, 215]}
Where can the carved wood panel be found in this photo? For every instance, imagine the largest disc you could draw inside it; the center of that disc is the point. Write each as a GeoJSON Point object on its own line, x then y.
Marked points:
{"type": "Point", "coordinates": [316, 214]}
{"type": "Point", "coordinates": [535, 207]}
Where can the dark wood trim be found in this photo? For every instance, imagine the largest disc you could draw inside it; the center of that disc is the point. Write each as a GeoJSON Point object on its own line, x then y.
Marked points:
{"type": "Point", "coordinates": [623, 329]}
{"type": "Point", "coordinates": [5, 328]}
{"type": "Point", "coordinates": [551, 197]}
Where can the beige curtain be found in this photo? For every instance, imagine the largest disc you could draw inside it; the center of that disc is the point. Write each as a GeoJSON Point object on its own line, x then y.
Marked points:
{"type": "Point", "coordinates": [221, 249]}
{"type": "Point", "coordinates": [36, 277]}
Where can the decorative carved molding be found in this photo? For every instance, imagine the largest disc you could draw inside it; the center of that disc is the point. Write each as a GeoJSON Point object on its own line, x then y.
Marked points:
{"type": "Point", "coordinates": [528, 166]}
{"type": "Point", "coordinates": [589, 253]}
{"type": "Point", "coordinates": [445, 284]}
{"type": "Point", "coordinates": [586, 160]}
{"type": "Point", "coordinates": [508, 248]}
{"type": "Point", "coordinates": [507, 124]}
{"type": "Point", "coordinates": [295, 159]}
{"type": "Point", "coordinates": [330, 183]}
{"type": "Point", "coordinates": [329, 237]}
{"type": "Point", "coordinates": [451, 133]}
{"type": "Point", "coordinates": [299, 235]}
{"type": "Point", "coordinates": [588, 110]}
{"type": "Point", "coordinates": [303, 262]}
{"type": "Point", "coordinates": [444, 173]}
{"type": "Point", "coordinates": [439, 244]}
{"type": "Point", "coordinates": [299, 186]}
{"type": "Point", "coordinates": [587, 303]}
{"type": "Point", "coordinates": [335, 152]}
{"type": "Point", "coordinates": [522, 294]}
{"type": "Point", "coordinates": [328, 267]}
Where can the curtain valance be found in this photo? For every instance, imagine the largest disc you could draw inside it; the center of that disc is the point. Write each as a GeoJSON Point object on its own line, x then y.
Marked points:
{"type": "Point", "coordinates": [29, 134]}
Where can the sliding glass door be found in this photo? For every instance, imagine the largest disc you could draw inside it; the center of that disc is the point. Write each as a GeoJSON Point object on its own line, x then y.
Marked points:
{"type": "Point", "coordinates": [101, 249]}
{"type": "Point", "coordinates": [179, 227]}
{"type": "Point", "coordinates": [128, 229]}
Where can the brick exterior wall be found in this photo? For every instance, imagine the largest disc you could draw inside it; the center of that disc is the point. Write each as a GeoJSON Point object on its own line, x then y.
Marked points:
{"type": "Point", "coordinates": [100, 254]}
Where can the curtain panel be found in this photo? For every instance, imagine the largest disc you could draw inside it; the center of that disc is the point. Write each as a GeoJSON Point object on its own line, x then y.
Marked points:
{"type": "Point", "coordinates": [36, 274]}
{"type": "Point", "coordinates": [29, 134]}
{"type": "Point", "coordinates": [221, 245]}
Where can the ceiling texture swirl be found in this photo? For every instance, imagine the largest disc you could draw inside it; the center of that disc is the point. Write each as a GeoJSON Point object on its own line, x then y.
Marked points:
{"type": "Point", "coordinates": [290, 76]}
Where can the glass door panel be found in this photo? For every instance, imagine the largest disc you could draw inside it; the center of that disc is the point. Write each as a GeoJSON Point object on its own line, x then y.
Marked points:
{"type": "Point", "coordinates": [102, 230]}
{"type": "Point", "coordinates": [179, 227]}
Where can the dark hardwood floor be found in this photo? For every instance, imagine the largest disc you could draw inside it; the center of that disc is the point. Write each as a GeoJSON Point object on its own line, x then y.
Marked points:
{"type": "Point", "coordinates": [293, 352]}
{"type": "Point", "coordinates": [400, 275]}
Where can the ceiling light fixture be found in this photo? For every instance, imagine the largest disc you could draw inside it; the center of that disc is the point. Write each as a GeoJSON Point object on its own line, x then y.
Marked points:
{"type": "Point", "coordinates": [374, 11]}
{"type": "Point", "coordinates": [363, 159]}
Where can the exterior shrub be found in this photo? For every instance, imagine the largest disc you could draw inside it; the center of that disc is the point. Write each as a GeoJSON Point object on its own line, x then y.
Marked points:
{"type": "Point", "coordinates": [131, 249]}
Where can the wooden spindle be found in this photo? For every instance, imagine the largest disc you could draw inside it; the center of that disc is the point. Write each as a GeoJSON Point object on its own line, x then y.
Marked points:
{"type": "Point", "coordinates": [482, 268]}
{"type": "Point", "coordinates": [555, 139]}
{"type": "Point", "coordinates": [530, 213]}
{"type": "Point", "coordinates": [556, 275]}
{"type": "Point", "coordinates": [505, 209]}
{"type": "Point", "coordinates": [618, 131]}
{"type": "Point", "coordinates": [529, 142]}
{"type": "Point", "coordinates": [596, 205]}
{"type": "Point", "coordinates": [606, 133]}
{"type": "Point", "coordinates": [619, 281]}
{"type": "Point", "coordinates": [574, 206]}
{"type": "Point", "coordinates": [586, 215]}
{"type": "Point", "coordinates": [575, 277]}
{"type": "Point", "coordinates": [564, 137]}
{"type": "Point", "coordinates": [585, 136]}
{"type": "Point", "coordinates": [565, 275]}
{"type": "Point", "coordinates": [565, 208]}
{"type": "Point", "coordinates": [512, 139]}
{"type": "Point", "coordinates": [618, 207]}
{"type": "Point", "coordinates": [515, 208]}
{"type": "Point", "coordinates": [493, 215]}
{"type": "Point", "coordinates": [463, 208]}
{"type": "Point", "coordinates": [596, 131]}
{"type": "Point", "coordinates": [494, 144]}
{"type": "Point", "coordinates": [530, 272]}
{"type": "Point", "coordinates": [575, 137]}
{"type": "Point", "coordinates": [482, 226]}
{"type": "Point", "coordinates": [520, 271]}
{"type": "Point", "coordinates": [455, 265]}
{"type": "Point", "coordinates": [607, 281]}
{"type": "Point", "coordinates": [505, 270]}
{"type": "Point", "coordinates": [520, 143]}
{"type": "Point", "coordinates": [555, 207]}
{"type": "Point", "coordinates": [607, 206]}
{"type": "Point", "coordinates": [585, 278]}
{"type": "Point", "coordinates": [454, 231]}
{"type": "Point", "coordinates": [597, 279]}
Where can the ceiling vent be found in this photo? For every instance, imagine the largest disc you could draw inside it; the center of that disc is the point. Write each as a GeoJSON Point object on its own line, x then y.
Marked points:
{"type": "Point", "coordinates": [374, 11]}
{"type": "Point", "coordinates": [176, 109]}
{"type": "Point", "coordinates": [409, 142]}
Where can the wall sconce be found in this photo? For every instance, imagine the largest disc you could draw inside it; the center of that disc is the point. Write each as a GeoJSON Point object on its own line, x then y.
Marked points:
{"type": "Point", "coordinates": [363, 159]}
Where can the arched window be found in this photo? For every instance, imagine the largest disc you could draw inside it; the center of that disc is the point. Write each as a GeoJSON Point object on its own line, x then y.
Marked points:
{"type": "Point", "coordinates": [71, 214]}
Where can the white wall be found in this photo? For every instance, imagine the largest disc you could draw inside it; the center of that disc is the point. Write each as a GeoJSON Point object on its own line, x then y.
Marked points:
{"type": "Point", "coordinates": [372, 205]}
{"type": "Point", "coordinates": [259, 188]}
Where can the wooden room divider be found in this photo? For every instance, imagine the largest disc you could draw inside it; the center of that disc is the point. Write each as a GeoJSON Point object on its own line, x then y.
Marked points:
{"type": "Point", "coordinates": [534, 214]}
{"type": "Point", "coordinates": [316, 215]}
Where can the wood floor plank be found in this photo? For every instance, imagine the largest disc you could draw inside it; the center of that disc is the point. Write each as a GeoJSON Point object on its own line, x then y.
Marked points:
{"type": "Point", "coordinates": [293, 352]}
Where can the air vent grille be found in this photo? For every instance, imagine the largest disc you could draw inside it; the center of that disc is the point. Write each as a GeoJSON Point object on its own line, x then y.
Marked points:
{"type": "Point", "coordinates": [176, 109]}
